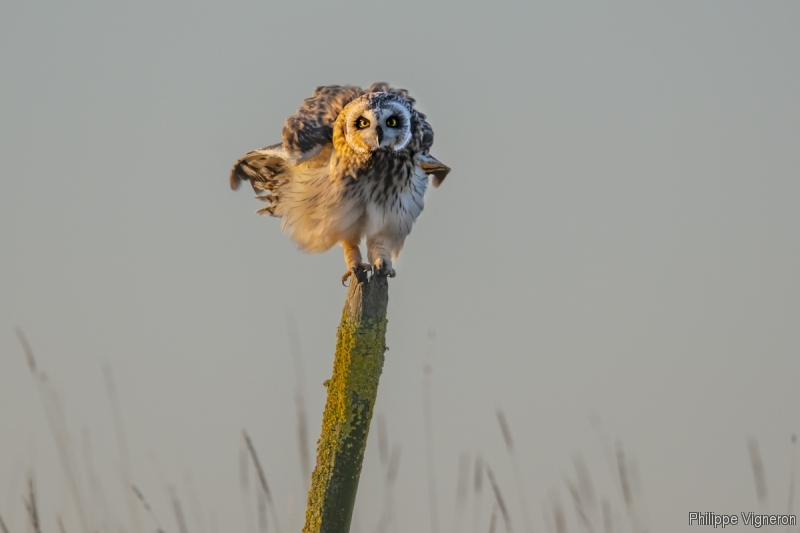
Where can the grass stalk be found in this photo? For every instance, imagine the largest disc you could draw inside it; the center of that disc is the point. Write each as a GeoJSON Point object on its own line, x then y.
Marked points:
{"type": "Point", "coordinates": [122, 449]}
{"type": "Point", "coordinates": [429, 450]}
{"type": "Point", "coordinates": [758, 474]}
{"type": "Point", "coordinates": [478, 488]}
{"type": "Point", "coordinates": [147, 507]}
{"type": "Point", "coordinates": [383, 441]}
{"type": "Point", "coordinates": [98, 494]}
{"type": "Point", "coordinates": [580, 506]}
{"type": "Point", "coordinates": [493, 519]}
{"type": "Point", "coordinates": [625, 485]}
{"type": "Point", "coordinates": [499, 499]}
{"type": "Point", "coordinates": [585, 487]}
{"type": "Point", "coordinates": [263, 481]}
{"type": "Point", "coordinates": [608, 523]}
{"type": "Point", "coordinates": [526, 516]}
{"type": "Point", "coordinates": [244, 487]}
{"type": "Point", "coordinates": [559, 518]}
{"type": "Point", "coordinates": [261, 504]}
{"type": "Point", "coordinates": [387, 514]}
{"type": "Point", "coordinates": [58, 428]}
{"type": "Point", "coordinates": [180, 518]}
{"type": "Point", "coordinates": [300, 399]}
{"type": "Point", "coordinates": [30, 505]}
{"type": "Point", "coordinates": [792, 475]}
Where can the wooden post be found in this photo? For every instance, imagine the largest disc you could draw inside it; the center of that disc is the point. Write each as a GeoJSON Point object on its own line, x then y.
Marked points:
{"type": "Point", "coordinates": [352, 391]}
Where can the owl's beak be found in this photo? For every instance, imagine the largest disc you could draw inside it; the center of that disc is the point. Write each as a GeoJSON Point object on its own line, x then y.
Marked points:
{"type": "Point", "coordinates": [373, 138]}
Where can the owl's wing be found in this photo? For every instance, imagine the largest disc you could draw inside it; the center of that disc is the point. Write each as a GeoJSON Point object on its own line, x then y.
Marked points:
{"type": "Point", "coordinates": [432, 166]}
{"type": "Point", "coordinates": [426, 132]}
{"type": "Point", "coordinates": [306, 132]}
{"type": "Point", "coordinates": [259, 167]}
{"type": "Point", "coordinates": [427, 162]}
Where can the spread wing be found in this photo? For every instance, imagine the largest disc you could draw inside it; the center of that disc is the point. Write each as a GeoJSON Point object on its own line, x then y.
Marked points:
{"type": "Point", "coordinates": [259, 167]}
{"type": "Point", "coordinates": [306, 132]}
{"type": "Point", "coordinates": [310, 130]}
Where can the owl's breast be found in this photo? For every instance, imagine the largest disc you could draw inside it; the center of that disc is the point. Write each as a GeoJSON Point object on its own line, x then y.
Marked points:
{"type": "Point", "coordinates": [391, 191]}
{"type": "Point", "coordinates": [386, 175]}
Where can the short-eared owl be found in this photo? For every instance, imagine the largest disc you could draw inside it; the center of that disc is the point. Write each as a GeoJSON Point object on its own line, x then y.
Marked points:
{"type": "Point", "coordinates": [353, 163]}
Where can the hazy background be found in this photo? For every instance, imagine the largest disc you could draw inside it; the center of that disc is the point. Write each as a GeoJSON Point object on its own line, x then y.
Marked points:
{"type": "Point", "coordinates": [620, 235]}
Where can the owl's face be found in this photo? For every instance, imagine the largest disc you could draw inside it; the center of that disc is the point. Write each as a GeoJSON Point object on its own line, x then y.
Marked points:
{"type": "Point", "coordinates": [377, 121]}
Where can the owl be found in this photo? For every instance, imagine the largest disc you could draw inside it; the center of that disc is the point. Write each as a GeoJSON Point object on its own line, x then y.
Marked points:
{"type": "Point", "coordinates": [354, 164]}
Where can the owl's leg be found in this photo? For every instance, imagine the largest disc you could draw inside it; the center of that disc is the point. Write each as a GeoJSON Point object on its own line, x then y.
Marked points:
{"type": "Point", "coordinates": [379, 253]}
{"type": "Point", "coordinates": [352, 256]}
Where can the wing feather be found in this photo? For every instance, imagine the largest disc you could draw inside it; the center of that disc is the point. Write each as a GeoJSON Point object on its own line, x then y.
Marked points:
{"type": "Point", "coordinates": [259, 167]}
{"type": "Point", "coordinates": [306, 132]}
{"type": "Point", "coordinates": [432, 166]}
{"type": "Point", "coordinates": [310, 131]}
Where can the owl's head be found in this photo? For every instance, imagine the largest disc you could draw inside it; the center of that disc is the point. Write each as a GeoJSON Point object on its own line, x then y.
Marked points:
{"type": "Point", "coordinates": [377, 121]}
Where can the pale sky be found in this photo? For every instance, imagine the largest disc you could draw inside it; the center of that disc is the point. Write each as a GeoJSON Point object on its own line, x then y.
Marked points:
{"type": "Point", "coordinates": [619, 236]}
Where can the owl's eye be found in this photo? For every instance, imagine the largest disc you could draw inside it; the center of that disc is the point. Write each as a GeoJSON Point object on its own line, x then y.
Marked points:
{"type": "Point", "coordinates": [362, 123]}
{"type": "Point", "coordinates": [391, 122]}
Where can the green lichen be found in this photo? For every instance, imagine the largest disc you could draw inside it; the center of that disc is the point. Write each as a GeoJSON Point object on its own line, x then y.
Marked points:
{"type": "Point", "coordinates": [357, 366]}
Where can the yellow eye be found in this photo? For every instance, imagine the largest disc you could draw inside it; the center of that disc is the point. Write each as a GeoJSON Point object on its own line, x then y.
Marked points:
{"type": "Point", "coordinates": [362, 123]}
{"type": "Point", "coordinates": [391, 122]}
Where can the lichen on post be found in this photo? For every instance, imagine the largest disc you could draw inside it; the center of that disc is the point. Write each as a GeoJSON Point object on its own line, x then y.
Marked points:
{"type": "Point", "coordinates": [352, 392]}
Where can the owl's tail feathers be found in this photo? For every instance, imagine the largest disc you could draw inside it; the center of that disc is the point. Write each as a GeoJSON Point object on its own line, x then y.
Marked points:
{"type": "Point", "coordinates": [432, 166]}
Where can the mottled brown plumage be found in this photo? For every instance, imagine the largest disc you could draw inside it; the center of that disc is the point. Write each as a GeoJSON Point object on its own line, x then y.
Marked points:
{"type": "Point", "coordinates": [354, 163]}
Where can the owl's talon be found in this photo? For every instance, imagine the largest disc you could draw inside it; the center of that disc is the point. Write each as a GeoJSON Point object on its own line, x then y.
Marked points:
{"type": "Point", "coordinates": [384, 271]}
{"type": "Point", "coordinates": [361, 273]}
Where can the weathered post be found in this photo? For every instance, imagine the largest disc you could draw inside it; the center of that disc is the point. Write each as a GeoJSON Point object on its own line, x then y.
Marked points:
{"type": "Point", "coordinates": [352, 391]}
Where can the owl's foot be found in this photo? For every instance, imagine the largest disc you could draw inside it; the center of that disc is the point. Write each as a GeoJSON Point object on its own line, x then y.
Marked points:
{"type": "Point", "coordinates": [383, 269]}
{"type": "Point", "coordinates": [360, 271]}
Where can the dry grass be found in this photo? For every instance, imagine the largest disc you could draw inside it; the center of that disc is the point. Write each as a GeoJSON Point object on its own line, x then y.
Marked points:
{"type": "Point", "coordinates": [262, 480]}
{"type": "Point", "coordinates": [428, 419]}
{"type": "Point", "coordinates": [478, 488]}
{"type": "Point", "coordinates": [512, 453]}
{"type": "Point", "coordinates": [178, 509]}
{"type": "Point", "coordinates": [147, 507]}
{"type": "Point", "coordinates": [30, 505]}
{"type": "Point", "coordinates": [122, 449]}
{"type": "Point", "coordinates": [594, 512]}
{"type": "Point", "coordinates": [792, 473]}
{"type": "Point", "coordinates": [58, 427]}
{"type": "Point", "coordinates": [758, 474]}
{"type": "Point", "coordinates": [493, 519]}
{"type": "Point", "coordinates": [303, 447]}
{"type": "Point", "coordinates": [244, 486]}
{"type": "Point", "coordinates": [391, 464]}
